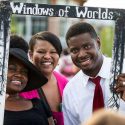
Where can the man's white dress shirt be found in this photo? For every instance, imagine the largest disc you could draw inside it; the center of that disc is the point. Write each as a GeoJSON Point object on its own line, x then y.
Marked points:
{"type": "Point", "coordinates": [79, 92]}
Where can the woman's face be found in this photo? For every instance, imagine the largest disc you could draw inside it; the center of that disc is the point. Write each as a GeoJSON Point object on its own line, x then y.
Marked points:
{"type": "Point", "coordinates": [44, 56]}
{"type": "Point", "coordinates": [17, 76]}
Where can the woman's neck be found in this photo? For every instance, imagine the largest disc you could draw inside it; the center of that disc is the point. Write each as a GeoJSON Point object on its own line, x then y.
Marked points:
{"type": "Point", "coordinates": [49, 76]}
{"type": "Point", "coordinates": [13, 97]}
{"type": "Point", "coordinates": [51, 79]}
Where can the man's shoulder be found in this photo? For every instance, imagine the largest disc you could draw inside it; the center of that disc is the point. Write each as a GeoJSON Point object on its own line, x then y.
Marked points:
{"type": "Point", "coordinates": [73, 83]}
{"type": "Point", "coordinates": [107, 61]}
{"type": "Point", "coordinates": [107, 58]}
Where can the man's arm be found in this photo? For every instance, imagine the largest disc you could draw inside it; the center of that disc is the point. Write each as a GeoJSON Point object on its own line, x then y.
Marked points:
{"type": "Point", "coordinates": [69, 119]}
{"type": "Point", "coordinates": [68, 111]}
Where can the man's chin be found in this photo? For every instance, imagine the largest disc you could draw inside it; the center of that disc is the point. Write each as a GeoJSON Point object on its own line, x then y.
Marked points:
{"type": "Point", "coordinates": [86, 69]}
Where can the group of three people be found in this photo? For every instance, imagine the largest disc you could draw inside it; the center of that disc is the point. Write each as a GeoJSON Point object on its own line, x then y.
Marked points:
{"type": "Point", "coordinates": [44, 52]}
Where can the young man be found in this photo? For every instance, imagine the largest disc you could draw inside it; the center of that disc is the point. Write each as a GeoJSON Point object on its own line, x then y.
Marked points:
{"type": "Point", "coordinates": [81, 95]}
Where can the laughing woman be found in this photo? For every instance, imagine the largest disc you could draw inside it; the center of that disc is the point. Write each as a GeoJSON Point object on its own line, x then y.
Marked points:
{"type": "Point", "coordinates": [23, 76]}
{"type": "Point", "coordinates": [45, 49]}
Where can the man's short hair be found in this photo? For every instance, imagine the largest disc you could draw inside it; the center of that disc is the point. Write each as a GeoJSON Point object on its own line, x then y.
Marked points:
{"type": "Point", "coordinates": [79, 28]}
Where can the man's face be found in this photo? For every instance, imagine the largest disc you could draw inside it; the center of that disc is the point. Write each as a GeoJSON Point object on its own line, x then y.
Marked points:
{"type": "Point", "coordinates": [85, 52]}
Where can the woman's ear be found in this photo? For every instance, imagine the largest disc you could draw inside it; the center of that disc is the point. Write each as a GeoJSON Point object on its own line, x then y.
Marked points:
{"type": "Point", "coordinates": [30, 54]}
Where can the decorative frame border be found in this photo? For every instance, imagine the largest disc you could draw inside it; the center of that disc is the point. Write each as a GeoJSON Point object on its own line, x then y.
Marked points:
{"type": "Point", "coordinates": [8, 8]}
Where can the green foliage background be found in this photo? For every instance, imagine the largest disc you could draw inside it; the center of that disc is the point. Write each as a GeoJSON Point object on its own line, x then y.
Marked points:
{"type": "Point", "coordinates": [13, 25]}
{"type": "Point", "coordinates": [107, 38]}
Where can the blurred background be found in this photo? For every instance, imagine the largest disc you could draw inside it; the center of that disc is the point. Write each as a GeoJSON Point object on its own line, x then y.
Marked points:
{"type": "Point", "coordinates": [28, 25]}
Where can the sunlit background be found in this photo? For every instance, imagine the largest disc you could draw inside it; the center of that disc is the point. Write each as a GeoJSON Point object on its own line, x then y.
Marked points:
{"type": "Point", "coordinates": [28, 25]}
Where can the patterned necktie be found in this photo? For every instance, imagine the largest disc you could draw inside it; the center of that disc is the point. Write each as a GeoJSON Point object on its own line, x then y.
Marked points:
{"type": "Point", "coordinates": [98, 101]}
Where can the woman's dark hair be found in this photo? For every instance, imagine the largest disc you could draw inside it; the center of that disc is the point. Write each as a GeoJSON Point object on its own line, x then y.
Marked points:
{"type": "Point", "coordinates": [47, 36]}
{"type": "Point", "coordinates": [79, 28]}
{"type": "Point", "coordinates": [18, 42]}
